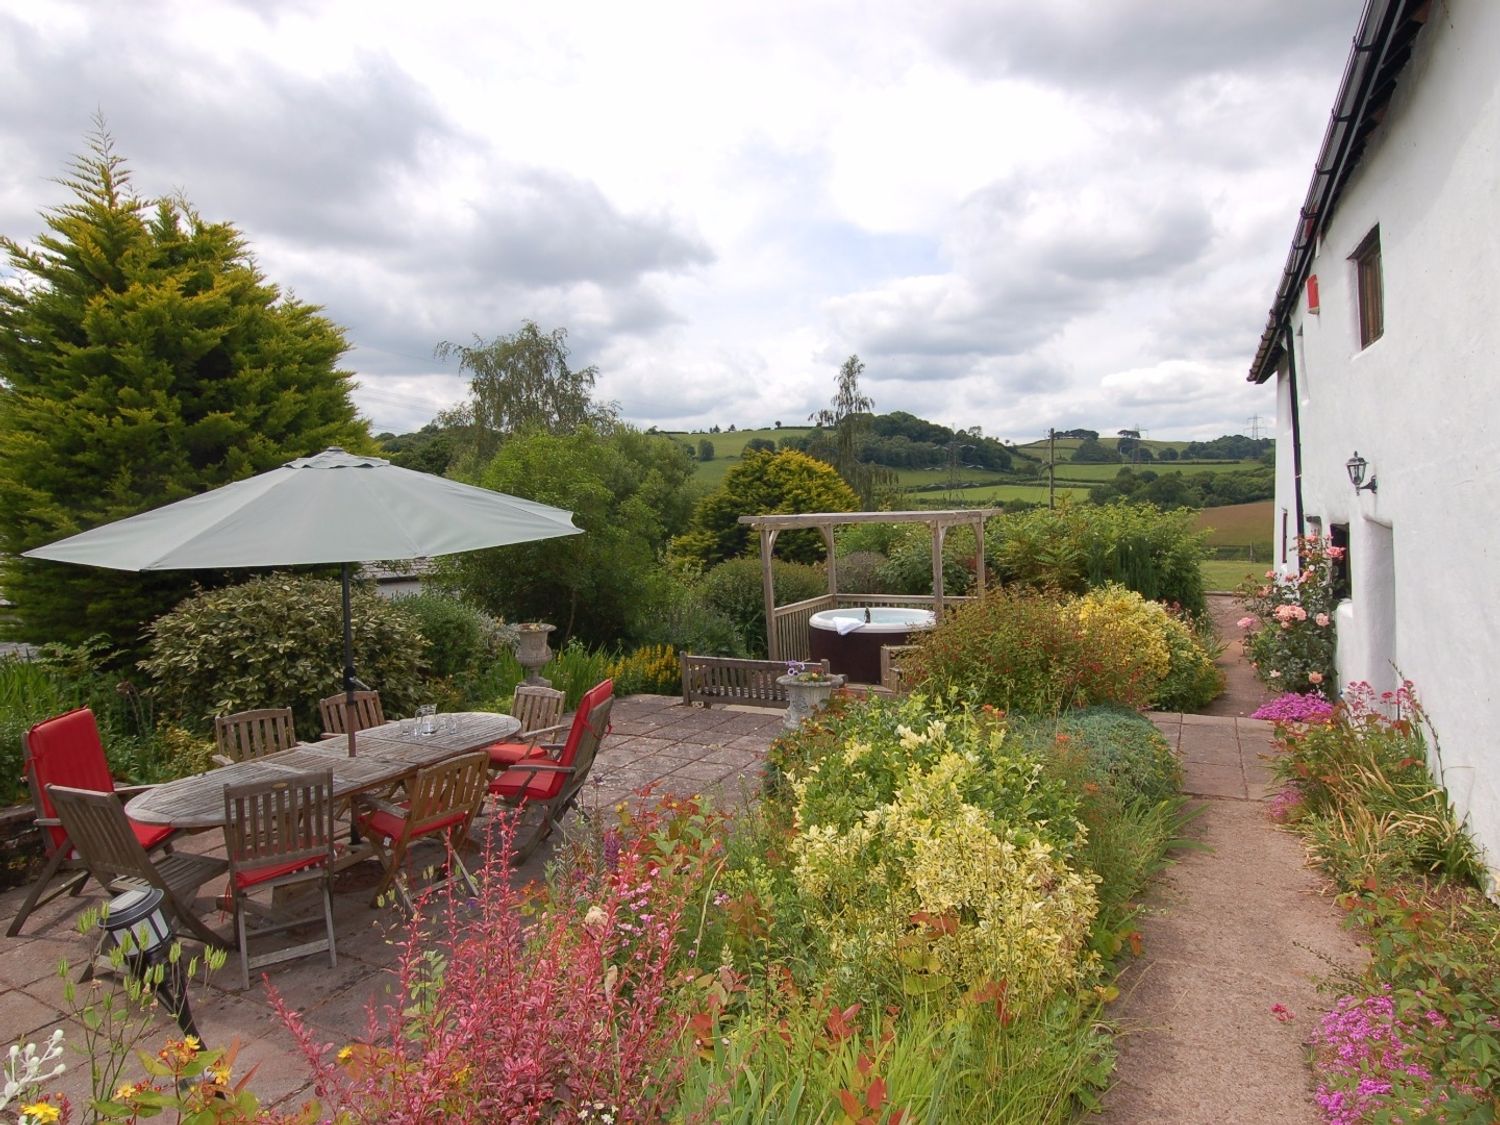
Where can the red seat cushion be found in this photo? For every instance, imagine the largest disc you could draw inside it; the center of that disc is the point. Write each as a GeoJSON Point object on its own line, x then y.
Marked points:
{"type": "Point", "coordinates": [514, 784]}
{"type": "Point", "coordinates": [245, 879]}
{"type": "Point", "coordinates": [150, 834]}
{"type": "Point", "coordinates": [509, 753]}
{"type": "Point", "coordinates": [382, 823]}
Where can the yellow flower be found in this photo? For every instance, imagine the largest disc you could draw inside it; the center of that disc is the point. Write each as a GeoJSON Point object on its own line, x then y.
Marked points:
{"type": "Point", "coordinates": [41, 1113]}
{"type": "Point", "coordinates": [220, 1071]}
{"type": "Point", "coordinates": [127, 1091]}
{"type": "Point", "coordinates": [345, 1054]}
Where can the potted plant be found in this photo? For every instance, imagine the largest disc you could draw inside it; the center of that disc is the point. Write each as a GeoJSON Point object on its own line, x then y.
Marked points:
{"type": "Point", "coordinates": [808, 688]}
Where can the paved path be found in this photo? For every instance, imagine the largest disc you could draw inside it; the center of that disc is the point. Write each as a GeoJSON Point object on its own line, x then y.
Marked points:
{"type": "Point", "coordinates": [1230, 930]}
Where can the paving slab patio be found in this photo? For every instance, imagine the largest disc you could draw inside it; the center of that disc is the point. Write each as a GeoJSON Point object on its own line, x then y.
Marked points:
{"type": "Point", "coordinates": [656, 743]}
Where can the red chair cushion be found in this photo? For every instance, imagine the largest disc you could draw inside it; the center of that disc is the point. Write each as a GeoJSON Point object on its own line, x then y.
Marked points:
{"type": "Point", "coordinates": [382, 823]}
{"type": "Point", "coordinates": [515, 784]}
{"type": "Point", "coordinates": [509, 753]}
{"type": "Point", "coordinates": [150, 834]}
{"type": "Point", "coordinates": [260, 875]}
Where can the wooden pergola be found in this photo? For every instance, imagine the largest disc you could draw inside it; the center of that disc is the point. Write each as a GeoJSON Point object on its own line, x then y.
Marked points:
{"type": "Point", "coordinates": [782, 621]}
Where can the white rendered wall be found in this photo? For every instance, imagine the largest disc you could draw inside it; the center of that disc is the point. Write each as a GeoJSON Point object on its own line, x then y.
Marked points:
{"type": "Point", "coordinates": [1422, 403]}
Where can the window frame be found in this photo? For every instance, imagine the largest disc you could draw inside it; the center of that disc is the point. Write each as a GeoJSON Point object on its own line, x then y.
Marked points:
{"type": "Point", "coordinates": [1369, 288]}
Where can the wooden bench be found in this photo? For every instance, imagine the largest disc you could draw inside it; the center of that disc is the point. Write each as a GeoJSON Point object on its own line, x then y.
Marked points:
{"type": "Point", "coordinates": [728, 679]}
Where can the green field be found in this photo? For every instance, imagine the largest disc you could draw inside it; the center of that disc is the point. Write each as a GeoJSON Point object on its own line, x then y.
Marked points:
{"type": "Point", "coordinates": [1240, 525]}
{"type": "Point", "coordinates": [1027, 482]}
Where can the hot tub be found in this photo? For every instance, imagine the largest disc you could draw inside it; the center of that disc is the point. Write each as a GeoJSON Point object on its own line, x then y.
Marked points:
{"type": "Point", "coordinates": [851, 639]}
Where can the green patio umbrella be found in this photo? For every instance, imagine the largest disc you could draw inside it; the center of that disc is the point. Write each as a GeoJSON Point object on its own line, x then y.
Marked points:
{"type": "Point", "coordinates": [334, 507]}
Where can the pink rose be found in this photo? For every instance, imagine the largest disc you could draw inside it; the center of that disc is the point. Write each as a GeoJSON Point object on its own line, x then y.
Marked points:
{"type": "Point", "coordinates": [1315, 677]}
{"type": "Point", "coordinates": [1322, 620]}
{"type": "Point", "coordinates": [1246, 622]}
{"type": "Point", "coordinates": [1270, 574]}
{"type": "Point", "coordinates": [1336, 552]}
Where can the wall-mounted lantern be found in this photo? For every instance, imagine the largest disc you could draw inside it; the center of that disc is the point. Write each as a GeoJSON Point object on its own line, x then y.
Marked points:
{"type": "Point", "coordinates": [1357, 466]}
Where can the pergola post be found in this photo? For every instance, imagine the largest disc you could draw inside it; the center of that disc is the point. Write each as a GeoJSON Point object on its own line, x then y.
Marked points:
{"type": "Point", "coordinates": [979, 555]}
{"type": "Point", "coordinates": [768, 590]}
{"type": "Point", "coordinates": [833, 565]}
{"type": "Point", "coordinates": [937, 570]}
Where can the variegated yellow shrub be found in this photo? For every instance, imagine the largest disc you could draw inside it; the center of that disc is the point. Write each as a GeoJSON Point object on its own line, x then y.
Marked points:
{"type": "Point", "coordinates": [931, 892]}
{"type": "Point", "coordinates": [1128, 637]}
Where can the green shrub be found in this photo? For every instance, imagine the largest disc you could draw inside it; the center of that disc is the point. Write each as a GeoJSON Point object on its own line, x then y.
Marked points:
{"type": "Point", "coordinates": [277, 641]}
{"type": "Point", "coordinates": [1111, 747]}
{"type": "Point", "coordinates": [734, 589]}
{"type": "Point", "coordinates": [1193, 679]}
{"type": "Point", "coordinates": [1036, 655]}
{"type": "Point", "coordinates": [908, 570]}
{"type": "Point", "coordinates": [572, 670]}
{"type": "Point", "coordinates": [460, 636]}
{"type": "Point", "coordinates": [673, 609]}
{"type": "Point", "coordinates": [860, 573]}
{"type": "Point", "coordinates": [1076, 547]}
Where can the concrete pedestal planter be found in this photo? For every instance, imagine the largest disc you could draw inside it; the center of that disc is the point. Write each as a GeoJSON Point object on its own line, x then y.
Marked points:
{"type": "Point", "coordinates": [532, 651]}
{"type": "Point", "coordinates": [806, 696]}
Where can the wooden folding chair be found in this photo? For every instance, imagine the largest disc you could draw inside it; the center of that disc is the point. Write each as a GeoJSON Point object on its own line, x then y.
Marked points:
{"type": "Point", "coordinates": [66, 750]}
{"type": "Point", "coordinates": [442, 800]}
{"type": "Point", "coordinates": [546, 785]}
{"type": "Point", "coordinates": [249, 734]}
{"type": "Point", "coordinates": [279, 834]}
{"type": "Point", "coordinates": [108, 847]}
{"type": "Point", "coordinates": [335, 713]}
{"type": "Point", "coordinates": [540, 711]}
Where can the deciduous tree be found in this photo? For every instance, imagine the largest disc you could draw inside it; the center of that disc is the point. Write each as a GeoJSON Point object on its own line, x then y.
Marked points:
{"type": "Point", "coordinates": [522, 382]}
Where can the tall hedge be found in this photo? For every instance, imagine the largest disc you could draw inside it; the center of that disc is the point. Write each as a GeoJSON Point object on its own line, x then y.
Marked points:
{"type": "Point", "coordinates": [1073, 548]}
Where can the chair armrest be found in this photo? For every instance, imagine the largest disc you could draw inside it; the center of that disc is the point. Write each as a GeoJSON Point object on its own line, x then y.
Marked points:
{"type": "Point", "coordinates": [132, 790]}
{"type": "Point", "coordinates": [536, 735]}
{"type": "Point", "coordinates": [378, 805]}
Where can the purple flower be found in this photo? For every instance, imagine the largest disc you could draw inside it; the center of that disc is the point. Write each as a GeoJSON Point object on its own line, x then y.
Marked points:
{"type": "Point", "coordinates": [1295, 707]}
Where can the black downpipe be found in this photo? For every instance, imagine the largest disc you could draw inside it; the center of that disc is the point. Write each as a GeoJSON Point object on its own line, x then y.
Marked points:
{"type": "Point", "coordinates": [1291, 372]}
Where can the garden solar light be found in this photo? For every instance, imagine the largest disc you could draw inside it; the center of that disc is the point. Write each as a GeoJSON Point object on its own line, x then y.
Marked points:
{"type": "Point", "coordinates": [1356, 466]}
{"type": "Point", "coordinates": [137, 924]}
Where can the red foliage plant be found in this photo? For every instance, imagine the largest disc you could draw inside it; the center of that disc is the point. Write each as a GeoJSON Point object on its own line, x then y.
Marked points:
{"type": "Point", "coordinates": [520, 1007]}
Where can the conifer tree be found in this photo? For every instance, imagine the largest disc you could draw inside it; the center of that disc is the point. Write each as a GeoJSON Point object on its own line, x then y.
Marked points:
{"type": "Point", "coordinates": [143, 358]}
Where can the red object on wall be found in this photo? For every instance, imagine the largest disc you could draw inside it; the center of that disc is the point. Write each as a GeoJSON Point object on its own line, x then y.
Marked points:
{"type": "Point", "coordinates": [1312, 294]}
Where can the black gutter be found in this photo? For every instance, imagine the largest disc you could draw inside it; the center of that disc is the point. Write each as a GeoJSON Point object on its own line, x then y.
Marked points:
{"type": "Point", "coordinates": [1381, 48]}
{"type": "Point", "coordinates": [1291, 375]}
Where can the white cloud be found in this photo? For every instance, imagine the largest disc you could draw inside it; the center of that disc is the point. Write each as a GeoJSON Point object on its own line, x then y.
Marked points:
{"type": "Point", "coordinates": [1019, 216]}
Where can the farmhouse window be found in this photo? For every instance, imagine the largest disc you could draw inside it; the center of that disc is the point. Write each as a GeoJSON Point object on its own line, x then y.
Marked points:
{"type": "Point", "coordinates": [1343, 586]}
{"type": "Point", "coordinates": [1370, 288]}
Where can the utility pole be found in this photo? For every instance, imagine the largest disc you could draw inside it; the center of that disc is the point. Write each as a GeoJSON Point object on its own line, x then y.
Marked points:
{"type": "Point", "coordinates": [1051, 466]}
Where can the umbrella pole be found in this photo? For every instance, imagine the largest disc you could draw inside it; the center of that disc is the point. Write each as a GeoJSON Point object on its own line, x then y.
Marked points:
{"type": "Point", "coordinates": [348, 666]}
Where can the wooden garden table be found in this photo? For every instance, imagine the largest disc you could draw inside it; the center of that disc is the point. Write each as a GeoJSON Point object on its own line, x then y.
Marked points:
{"type": "Point", "coordinates": [384, 755]}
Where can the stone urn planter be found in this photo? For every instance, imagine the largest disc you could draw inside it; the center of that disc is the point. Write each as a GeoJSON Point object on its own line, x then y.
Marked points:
{"type": "Point", "coordinates": [532, 651]}
{"type": "Point", "coordinates": [805, 696]}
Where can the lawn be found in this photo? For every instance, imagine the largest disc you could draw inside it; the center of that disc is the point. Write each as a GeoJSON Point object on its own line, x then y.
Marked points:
{"type": "Point", "coordinates": [1225, 574]}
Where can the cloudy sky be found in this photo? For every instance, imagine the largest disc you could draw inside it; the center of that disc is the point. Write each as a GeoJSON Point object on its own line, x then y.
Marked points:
{"type": "Point", "coordinates": [1018, 214]}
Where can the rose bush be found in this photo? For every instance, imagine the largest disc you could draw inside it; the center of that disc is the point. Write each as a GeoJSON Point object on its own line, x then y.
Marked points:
{"type": "Point", "coordinates": [1290, 636]}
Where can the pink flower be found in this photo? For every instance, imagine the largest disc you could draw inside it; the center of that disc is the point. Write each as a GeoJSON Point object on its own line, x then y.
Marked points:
{"type": "Point", "coordinates": [1315, 677]}
{"type": "Point", "coordinates": [1336, 552]}
{"type": "Point", "coordinates": [1283, 1013]}
{"type": "Point", "coordinates": [1270, 574]}
{"type": "Point", "coordinates": [1322, 620]}
{"type": "Point", "coordinates": [1246, 622]}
